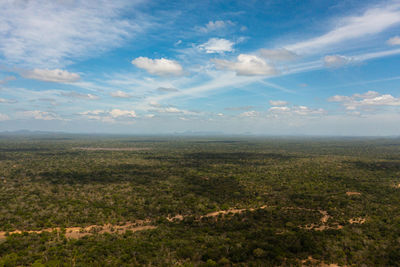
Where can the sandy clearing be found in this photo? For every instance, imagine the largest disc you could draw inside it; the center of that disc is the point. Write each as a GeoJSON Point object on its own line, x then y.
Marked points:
{"type": "Point", "coordinates": [358, 220]}
{"type": "Point", "coordinates": [215, 213]}
{"type": "Point", "coordinates": [313, 262]}
{"type": "Point", "coordinates": [111, 148]}
{"type": "Point", "coordinates": [349, 193]}
{"type": "Point", "coordinates": [78, 232]}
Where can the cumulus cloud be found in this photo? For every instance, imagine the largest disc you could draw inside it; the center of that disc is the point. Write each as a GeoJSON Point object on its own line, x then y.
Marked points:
{"type": "Point", "coordinates": [39, 115]}
{"type": "Point", "coordinates": [169, 109]}
{"type": "Point", "coordinates": [161, 67]}
{"type": "Point", "coordinates": [79, 95]}
{"type": "Point", "coordinates": [278, 103]}
{"type": "Point", "coordinates": [120, 94]}
{"type": "Point", "coordinates": [394, 40]}
{"type": "Point", "coordinates": [335, 61]}
{"type": "Point", "coordinates": [55, 33]}
{"type": "Point", "coordinates": [251, 113]}
{"type": "Point", "coordinates": [116, 113]}
{"type": "Point", "coordinates": [276, 55]}
{"type": "Point", "coordinates": [295, 110]}
{"type": "Point", "coordinates": [217, 45]}
{"type": "Point", "coordinates": [367, 100]}
{"type": "Point", "coordinates": [56, 75]}
{"type": "Point", "coordinates": [110, 115]}
{"type": "Point", "coordinates": [4, 117]}
{"type": "Point", "coordinates": [279, 109]}
{"type": "Point", "coordinates": [247, 65]}
{"type": "Point", "coordinates": [215, 25]}
{"type": "Point", "coordinates": [303, 110]}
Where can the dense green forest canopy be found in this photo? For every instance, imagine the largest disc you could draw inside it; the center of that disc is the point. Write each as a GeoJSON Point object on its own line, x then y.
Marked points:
{"type": "Point", "coordinates": [203, 201]}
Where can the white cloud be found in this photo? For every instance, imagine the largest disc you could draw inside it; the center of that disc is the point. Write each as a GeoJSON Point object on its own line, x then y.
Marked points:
{"type": "Point", "coordinates": [303, 110]}
{"type": "Point", "coordinates": [79, 95]}
{"type": "Point", "coordinates": [171, 110]}
{"type": "Point", "coordinates": [39, 115]}
{"type": "Point", "coordinates": [155, 104]}
{"type": "Point", "coordinates": [394, 40]}
{"type": "Point", "coordinates": [7, 79]}
{"type": "Point", "coordinates": [56, 75]}
{"type": "Point", "coordinates": [7, 101]}
{"type": "Point", "coordinates": [109, 116]}
{"type": "Point", "coordinates": [47, 34]}
{"type": "Point", "coordinates": [251, 113]}
{"type": "Point", "coordinates": [160, 67]}
{"type": "Point", "coordinates": [278, 103]}
{"type": "Point", "coordinates": [247, 65]}
{"type": "Point", "coordinates": [4, 117]}
{"type": "Point", "coordinates": [295, 110]}
{"type": "Point", "coordinates": [372, 21]}
{"type": "Point", "coordinates": [120, 94]}
{"type": "Point", "coordinates": [116, 113]}
{"type": "Point", "coordinates": [365, 101]}
{"type": "Point", "coordinates": [335, 61]}
{"type": "Point", "coordinates": [279, 109]}
{"type": "Point", "coordinates": [217, 45]}
{"type": "Point", "coordinates": [215, 25]}
{"type": "Point", "coordinates": [281, 54]}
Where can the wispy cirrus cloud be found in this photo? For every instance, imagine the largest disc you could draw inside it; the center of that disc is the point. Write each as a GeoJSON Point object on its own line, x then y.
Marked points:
{"type": "Point", "coordinates": [73, 29]}
{"type": "Point", "coordinates": [373, 21]}
{"type": "Point", "coordinates": [7, 79]}
{"type": "Point", "coordinates": [79, 95]}
{"type": "Point", "coordinates": [7, 101]}
{"type": "Point", "coordinates": [280, 54]}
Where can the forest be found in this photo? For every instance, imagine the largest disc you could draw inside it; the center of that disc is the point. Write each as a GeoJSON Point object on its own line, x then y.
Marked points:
{"type": "Point", "coordinates": [80, 200]}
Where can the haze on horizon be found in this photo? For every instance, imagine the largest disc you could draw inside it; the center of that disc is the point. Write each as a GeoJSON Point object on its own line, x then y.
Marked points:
{"type": "Point", "coordinates": [232, 67]}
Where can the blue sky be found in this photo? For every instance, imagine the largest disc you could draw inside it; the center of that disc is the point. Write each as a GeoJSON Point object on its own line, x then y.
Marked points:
{"type": "Point", "coordinates": [233, 67]}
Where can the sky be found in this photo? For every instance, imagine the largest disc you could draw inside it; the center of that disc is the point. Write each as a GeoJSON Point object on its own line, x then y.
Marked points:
{"type": "Point", "coordinates": [311, 67]}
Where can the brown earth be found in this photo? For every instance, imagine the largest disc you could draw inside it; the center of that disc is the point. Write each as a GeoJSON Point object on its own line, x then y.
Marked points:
{"type": "Point", "coordinates": [353, 193]}
{"type": "Point", "coordinates": [78, 232]}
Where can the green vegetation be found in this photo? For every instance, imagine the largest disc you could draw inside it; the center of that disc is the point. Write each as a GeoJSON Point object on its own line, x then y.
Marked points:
{"type": "Point", "coordinates": [279, 188]}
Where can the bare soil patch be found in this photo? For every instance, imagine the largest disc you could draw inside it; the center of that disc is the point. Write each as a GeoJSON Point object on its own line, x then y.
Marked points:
{"type": "Point", "coordinates": [78, 232]}
{"type": "Point", "coordinates": [349, 193]}
{"type": "Point", "coordinates": [358, 220]}
{"type": "Point", "coordinates": [310, 261]}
